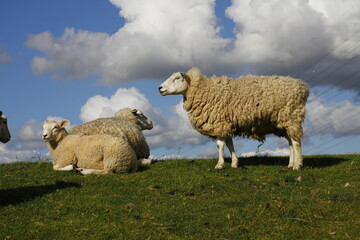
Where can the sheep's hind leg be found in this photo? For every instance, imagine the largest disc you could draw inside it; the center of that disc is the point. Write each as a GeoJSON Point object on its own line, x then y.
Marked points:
{"type": "Point", "coordinates": [234, 159]}
{"type": "Point", "coordinates": [298, 160]}
{"type": "Point", "coordinates": [144, 162]}
{"type": "Point", "coordinates": [66, 168]}
{"type": "Point", "coordinates": [291, 157]}
{"type": "Point", "coordinates": [91, 171]}
{"type": "Point", "coordinates": [220, 145]}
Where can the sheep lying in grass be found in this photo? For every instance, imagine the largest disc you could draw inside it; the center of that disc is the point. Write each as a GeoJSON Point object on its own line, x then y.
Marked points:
{"type": "Point", "coordinates": [136, 116]}
{"type": "Point", "coordinates": [126, 124]}
{"type": "Point", "coordinates": [4, 130]}
{"type": "Point", "coordinates": [99, 154]}
{"type": "Point", "coordinates": [249, 106]}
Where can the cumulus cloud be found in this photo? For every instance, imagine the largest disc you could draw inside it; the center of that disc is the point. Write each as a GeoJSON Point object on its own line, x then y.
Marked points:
{"type": "Point", "coordinates": [292, 37]}
{"type": "Point", "coordinates": [267, 152]}
{"type": "Point", "coordinates": [8, 155]}
{"type": "Point", "coordinates": [157, 35]}
{"type": "Point", "coordinates": [336, 118]}
{"type": "Point", "coordinates": [275, 32]}
{"type": "Point", "coordinates": [167, 132]}
{"type": "Point", "coordinates": [76, 54]}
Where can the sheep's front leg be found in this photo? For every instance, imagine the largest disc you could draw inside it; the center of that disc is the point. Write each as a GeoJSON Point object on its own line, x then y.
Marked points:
{"type": "Point", "coordinates": [234, 159]}
{"type": "Point", "coordinates": [220, 145]}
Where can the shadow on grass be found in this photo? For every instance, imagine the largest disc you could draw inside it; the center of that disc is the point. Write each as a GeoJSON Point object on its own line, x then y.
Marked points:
{"type": "Point", "coordinates": [22, 194]}
{"type": "Point", "coordinates": [314, 162]}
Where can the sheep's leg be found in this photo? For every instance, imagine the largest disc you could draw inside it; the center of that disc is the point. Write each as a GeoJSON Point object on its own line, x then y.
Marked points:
{"type": "Point", "coordinates": [291, 157]}
{"type": "Point", "coordinates": [91, 171]}
{"type": "Point", "coordinates": [66, 168]}
{"type": "Point", "coordinates": [220, 145]}
{"type": "Point", "coordinates": [298, 160]}
{"type": "Point", "coordinates": [234, 159]}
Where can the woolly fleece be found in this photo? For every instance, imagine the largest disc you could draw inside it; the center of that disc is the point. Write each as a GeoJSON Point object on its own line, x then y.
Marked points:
{"type": "Point", "coordinates": [103, 152]}
{"type": "Point", "coordinates": [249, 106]}
{"type": "Point", "coordinates": [118, 127]}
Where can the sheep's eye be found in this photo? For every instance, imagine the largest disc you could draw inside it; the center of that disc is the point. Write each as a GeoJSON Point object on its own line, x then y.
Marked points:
{"type": "Point", "coordinates": [56, 127]}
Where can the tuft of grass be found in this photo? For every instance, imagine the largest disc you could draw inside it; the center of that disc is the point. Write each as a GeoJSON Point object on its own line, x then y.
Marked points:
{"type": "Point", "coordinates": [185, 199]}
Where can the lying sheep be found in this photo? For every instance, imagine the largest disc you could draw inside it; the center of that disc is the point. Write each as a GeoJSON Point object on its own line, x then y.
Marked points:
{"type": "Point", "coordinates": [136, 116]}
{"type": "Point", "coordinates": [4, 130]}
{"type": "Point", "coordinates": [126, 124]}
{"type": "Point", "coordinates": [249, 106]}
{"type": "Point", "coordinates": [100, 154]}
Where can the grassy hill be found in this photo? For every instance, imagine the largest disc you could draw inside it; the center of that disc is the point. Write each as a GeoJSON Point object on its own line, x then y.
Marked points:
{"type": "Point", "coordinates": [185, 199]}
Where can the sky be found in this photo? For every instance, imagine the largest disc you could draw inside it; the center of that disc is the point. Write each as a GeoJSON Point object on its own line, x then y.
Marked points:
{"type": "Point", "coordinates": [85, 59]}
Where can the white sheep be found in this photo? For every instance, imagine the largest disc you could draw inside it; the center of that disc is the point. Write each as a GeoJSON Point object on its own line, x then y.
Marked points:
{"type": "Point", "coordinates": [4, 130]}
{"type": "Point", "coordinates": [126, 124]}
{"type": "Point", "coordinates": [136, 116]}
{"type": "Point", "coordinates": [249, 106]}
{"type": "Point", "coordinates": [99, 154]}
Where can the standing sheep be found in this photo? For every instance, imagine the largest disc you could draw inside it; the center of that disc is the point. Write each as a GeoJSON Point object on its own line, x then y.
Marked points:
{"type": "Point", "coordinates": [4, 130]}
{"type": "Point", "coordinates": [249, 106]}
{"type": "Point", "coordinates": [126, 124]}
{"type": "Point", "coordinates": [98, 154]}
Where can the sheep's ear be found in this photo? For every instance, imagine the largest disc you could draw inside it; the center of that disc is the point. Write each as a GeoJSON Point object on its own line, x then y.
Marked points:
{"type": "Point", "coordinates": [186, 77]}
{"type": "Point", "coordinates": [64, 123]}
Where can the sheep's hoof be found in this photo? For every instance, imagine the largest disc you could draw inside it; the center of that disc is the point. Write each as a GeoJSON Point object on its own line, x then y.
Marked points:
{"type": "Point", "coordinates": [296, 167]}
{"type": "Point", "coordinates": [234, 165]}
{"type": "Point", "coordinates": [219, 166]}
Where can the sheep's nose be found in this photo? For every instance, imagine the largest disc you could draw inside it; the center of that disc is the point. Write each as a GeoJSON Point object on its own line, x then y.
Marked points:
{"type": "Point", "coordinates": [44, 135]}
{"type": "Point", "coordinates": [160, 88]}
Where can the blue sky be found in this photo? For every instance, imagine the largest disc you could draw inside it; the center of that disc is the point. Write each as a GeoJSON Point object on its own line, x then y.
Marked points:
{"type": "Point", "coordinates": [85, 59]}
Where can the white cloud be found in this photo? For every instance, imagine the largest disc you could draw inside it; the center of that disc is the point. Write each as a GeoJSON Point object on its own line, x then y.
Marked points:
{"type": "Point", "coordinates": [8, 155]}
{"type": "Point", "coordinates": [160, 37]}
{"type": "Point", "coordinates": [336, 118]}
{"type": "Point", "coordinates": [276, 32]}
{"type": "Point", "coordinates": [267, 152]}
{"type": "Point", "coordinates": [157, 35]}
{"type": "Point", "coordinates": [169, 133]}
{"type": "Point", "coordinates": [30, 131]}
{"type": "Point", "coordinates": [342, 20]}
{"type": "Point", "coordinates": [102, 106]}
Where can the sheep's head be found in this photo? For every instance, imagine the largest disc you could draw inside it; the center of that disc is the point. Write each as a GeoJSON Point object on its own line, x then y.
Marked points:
{"type": "Point", "coordinates": [177, 83]}
{"type": "Point", "coordinates": [135, 116]}
{"type": "Point", "coordinates": [53, 131]}
{"type": "Point", "coordinates": [144, 122]}
{"type": "Point", "coordinates": [4, 130]}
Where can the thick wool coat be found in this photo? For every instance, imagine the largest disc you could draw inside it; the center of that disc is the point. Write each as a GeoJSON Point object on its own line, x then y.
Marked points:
{"type": "Point", "coordinates": [112, 154]}
{"type": "Point", "coordinates": [117, 127]}
{"type": "Point", "coordinates": [249, 106]}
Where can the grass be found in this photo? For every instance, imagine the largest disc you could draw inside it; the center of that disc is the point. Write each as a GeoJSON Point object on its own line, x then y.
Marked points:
{"type": "Point", "coordinates": [185, 199]}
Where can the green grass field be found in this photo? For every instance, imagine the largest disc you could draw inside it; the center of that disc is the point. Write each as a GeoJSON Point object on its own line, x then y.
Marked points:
{"type": "Point", "coordinates": [185, 199]}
